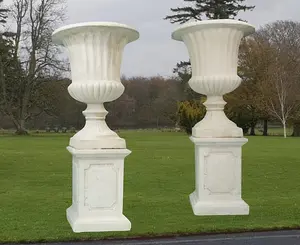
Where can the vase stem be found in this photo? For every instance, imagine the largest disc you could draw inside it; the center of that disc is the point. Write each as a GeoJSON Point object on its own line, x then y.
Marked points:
{"type": "Point", "coordinates": [214, 103]}
{"type": "Point", "coordinates": [216, 124]}
{"type": "Point", "coordinates": [96, 133]}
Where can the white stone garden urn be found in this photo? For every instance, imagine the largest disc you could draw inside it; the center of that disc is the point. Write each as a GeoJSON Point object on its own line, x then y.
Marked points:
{"type": "Point", "coordinates": [213, 47]}
{"type": "Point", "coordinates": [95, 52]}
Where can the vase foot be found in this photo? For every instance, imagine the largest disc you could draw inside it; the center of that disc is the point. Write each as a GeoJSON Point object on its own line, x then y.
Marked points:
{"type": "Point", "coordinates": [101, 224]}
{"type": "Point", "coordinates": [218, 207]}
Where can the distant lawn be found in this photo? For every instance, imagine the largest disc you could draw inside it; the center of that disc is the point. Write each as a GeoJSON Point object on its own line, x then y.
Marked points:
{"type": "Point", "coordinates": [276, 131]}
{"type": "Point", "coordinates": [35, 187]}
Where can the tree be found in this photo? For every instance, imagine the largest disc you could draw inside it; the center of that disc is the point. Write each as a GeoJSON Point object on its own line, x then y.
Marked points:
{"type": "Point", "coordinates": [164, 106]}
{"type": "Point", "coordinates": [121, 112]}
{"type": "Point", "coordinates": [279, 93]}
{"type": "Point", "coordinates": [241, 108]}
{"type": "Point", "coordinates": [254, 60]}
{"type": "Point", "coordinates": [269, 65]}
{"type": "Point", "coordinates": [7, 66]}
{"type": "Point", "coordinates": [212, 9]}
{"type": "Point", "coordinates": [183, 71]}
{"type": "Point", "coordinates": [281, 86]}
{"type": "Point", "coordinates": [159, 107]}
{"type": "Point", "coordinates": [189, 113]}
{"type": "Point", "coordinates": [3, 13]}
{"type": "Point", "coordinates": [35, 57]}
{"type": "Point", "coordinates": [296, 129]}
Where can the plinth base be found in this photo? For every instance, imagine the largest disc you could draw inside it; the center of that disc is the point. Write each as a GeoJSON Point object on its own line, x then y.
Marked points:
{"type": "Point", "coordinates": [218, 177]}
{"type": "Point", "coordinates": [103, 224]}
{"type": "Point", "coordinates": [205, 208]}
{"type": "Point", "coordinates": [97, 190]}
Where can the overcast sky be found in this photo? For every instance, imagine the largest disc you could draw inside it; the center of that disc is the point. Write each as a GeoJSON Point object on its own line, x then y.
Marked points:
{"type": "Point", "coordinates": [155, 53]}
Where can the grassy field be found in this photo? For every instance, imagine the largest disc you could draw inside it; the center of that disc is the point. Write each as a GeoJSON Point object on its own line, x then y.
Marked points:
{"type": "Point", "coordinates": [35, 187]}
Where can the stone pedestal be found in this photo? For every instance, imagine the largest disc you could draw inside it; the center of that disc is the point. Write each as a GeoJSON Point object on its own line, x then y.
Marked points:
{"type": "Point", "coordinates": [213, 47]}
{"type": "Point", "coordinates": [218, 177]}
{"type": "Point", "coordinates": [97, 190]}
{"type": "Point", "coordinates": [95, 51]}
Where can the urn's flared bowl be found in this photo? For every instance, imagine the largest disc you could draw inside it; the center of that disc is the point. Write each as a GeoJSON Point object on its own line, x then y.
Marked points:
{"type": "Point", "coordinates": [60, 34]}
{"type": "Point", "coordinates": [196, 26]}
{"type": "Point", "coordinates": [97, 92]}
{"type": "Point", "coordinates": [214, 85]}
{"type": "Point", "coordinates": [95, 51]}
{"type": "Point", "coordinates": [213, 47]}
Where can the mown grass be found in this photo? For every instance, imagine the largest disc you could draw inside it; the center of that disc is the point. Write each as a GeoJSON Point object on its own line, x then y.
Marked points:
{"type": "Point", "coordinates": [35, 187]}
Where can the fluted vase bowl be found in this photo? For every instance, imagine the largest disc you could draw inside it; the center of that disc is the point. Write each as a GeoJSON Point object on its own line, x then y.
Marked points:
{"type": "Point", "coordinates": [95, 52]}
{"type": "Point", "coordinates": [213, 47]}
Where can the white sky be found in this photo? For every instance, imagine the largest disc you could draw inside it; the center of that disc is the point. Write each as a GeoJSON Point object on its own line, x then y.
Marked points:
{"type": "Point", "coordinates": [155, 53]}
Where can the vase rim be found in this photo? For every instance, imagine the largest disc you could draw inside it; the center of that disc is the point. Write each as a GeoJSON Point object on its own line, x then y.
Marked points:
{"type": "Point", "coordinates": [66, 30]}
{"type": "Point", "coordinates": [207, 24]}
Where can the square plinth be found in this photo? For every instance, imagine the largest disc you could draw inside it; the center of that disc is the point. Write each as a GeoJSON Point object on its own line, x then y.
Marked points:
{"type": "Point", "coordinates": [97, 190]}
{"type": "Point", "coordinates": [218, 174]}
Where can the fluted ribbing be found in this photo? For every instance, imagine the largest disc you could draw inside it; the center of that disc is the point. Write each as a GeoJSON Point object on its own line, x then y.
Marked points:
{"type": "Point", "coordinates": [214, 85]}
{"type": "Point", "coordinates": [214, 51]}
{"type": "Point", "coordinates": [213, 48]}
{"type": "Point", "coordinates": [214, 54]}
{"type": "Point", "coordinates": [95, 52]}
{"type": "Point", "coordinates": [96, 56]}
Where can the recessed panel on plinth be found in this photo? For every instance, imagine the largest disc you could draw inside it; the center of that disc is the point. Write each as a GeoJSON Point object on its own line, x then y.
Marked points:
{"type": "Point", "coordinates": [218, 177]}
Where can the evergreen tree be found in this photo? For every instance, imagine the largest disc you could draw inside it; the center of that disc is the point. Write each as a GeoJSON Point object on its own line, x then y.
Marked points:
{"type": "Point", "coordinates": [3, 13]}
{"type": "Point", "coordinates": [9, 66]}
{"type": "Point", "coordinates": [212, 9]}
{"type": "Point", "coordinates": [6, 45]}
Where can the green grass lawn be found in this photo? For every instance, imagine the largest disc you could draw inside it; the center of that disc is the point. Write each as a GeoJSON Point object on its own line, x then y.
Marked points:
{"type": "Point", "coordinates": [35, 187]}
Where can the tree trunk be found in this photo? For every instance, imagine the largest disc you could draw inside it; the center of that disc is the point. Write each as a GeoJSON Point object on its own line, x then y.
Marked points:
{"type": "Point", "coordinates": [19, 125]}
{"type": "Point", "coordinates": [252, 130]}
{"type": "Point", "coordinates": [245, 131]}
{"type": "Point", "coordinates": [284, 129]}
{"type": "Point", "coordinates": [265, 131]}
{"type": "Point", "coordinates": [296, 129]}
{"type": "Point", "coordinates": [21, 130]}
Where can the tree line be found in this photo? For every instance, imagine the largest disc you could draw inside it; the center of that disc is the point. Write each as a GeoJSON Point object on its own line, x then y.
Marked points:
{"type": "Point", "coordinates": [33, 87]}
{"type": "Point", "coordinates": [148, 102]}
{"type": "Point", "coordinates": [268, 65]}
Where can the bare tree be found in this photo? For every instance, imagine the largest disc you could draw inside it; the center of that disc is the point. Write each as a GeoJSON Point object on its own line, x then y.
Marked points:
{"type": "Point", "coordinates": [281, 86]}
{"type": "Point", "coordinates": [35, 57]}
{"type": "Point", "coordinates": [279, 94]}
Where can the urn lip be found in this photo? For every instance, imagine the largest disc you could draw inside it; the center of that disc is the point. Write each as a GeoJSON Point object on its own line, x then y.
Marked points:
{"type": "Point", "coordinates": [71, 29]}
{"type": "Point", "coordinates": [209, 24]}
